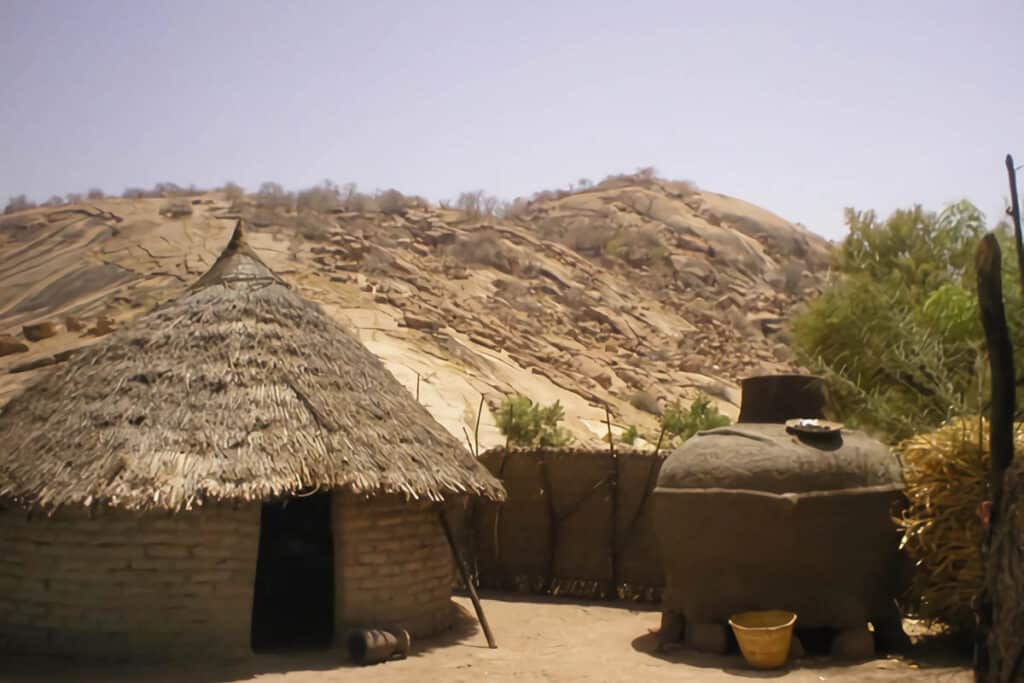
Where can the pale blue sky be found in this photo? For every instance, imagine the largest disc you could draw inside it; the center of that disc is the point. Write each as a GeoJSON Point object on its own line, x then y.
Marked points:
{"type": "Point", "coordinates": [801, 107]}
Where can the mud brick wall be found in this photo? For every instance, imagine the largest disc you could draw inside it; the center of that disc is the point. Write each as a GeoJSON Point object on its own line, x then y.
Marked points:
{"type": "Point", "coordinates": [577, 522]}
{"type": "Point", "coordinates": [115, 584]}
{"type": "Point", "coordinates": [393, 566]}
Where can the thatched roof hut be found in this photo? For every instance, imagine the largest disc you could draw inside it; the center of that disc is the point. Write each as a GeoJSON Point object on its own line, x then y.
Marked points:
{"type": "Point", "coordinates": [238, 390]}
{"type": "Point", "coordinates": [229, 470]}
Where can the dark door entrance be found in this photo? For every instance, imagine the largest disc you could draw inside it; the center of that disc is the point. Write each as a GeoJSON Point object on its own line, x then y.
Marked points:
{"type": "Point", "coordinates": [293, 601]}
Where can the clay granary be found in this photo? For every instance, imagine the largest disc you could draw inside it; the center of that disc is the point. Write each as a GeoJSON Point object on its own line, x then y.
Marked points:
{"type": "Point", "coordinates": [230, 472]}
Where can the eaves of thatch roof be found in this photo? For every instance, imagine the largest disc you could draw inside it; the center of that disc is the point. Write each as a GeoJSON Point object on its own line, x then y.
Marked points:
{"type": "Point", "coordinates": [238, 390]}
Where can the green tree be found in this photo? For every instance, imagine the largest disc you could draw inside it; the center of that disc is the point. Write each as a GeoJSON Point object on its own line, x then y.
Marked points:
{"type": "Point", "coordinates": [898, 333]}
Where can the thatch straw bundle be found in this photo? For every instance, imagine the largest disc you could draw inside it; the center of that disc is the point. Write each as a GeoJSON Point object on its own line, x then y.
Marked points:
{"type": "Point", "coordinates": [946, 474]}
{"type": "Point", "coordinates": [238, 390]}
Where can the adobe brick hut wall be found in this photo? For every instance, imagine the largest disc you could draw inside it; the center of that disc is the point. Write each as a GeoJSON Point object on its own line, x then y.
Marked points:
{"type": "Point", "coordinates": [123, 585]}
{"type": "Point", "coordinates": [393, 566]}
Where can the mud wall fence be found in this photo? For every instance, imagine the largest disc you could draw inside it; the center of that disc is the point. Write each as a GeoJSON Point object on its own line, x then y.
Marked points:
{"type": "Point", "coordinates": [576, 523]}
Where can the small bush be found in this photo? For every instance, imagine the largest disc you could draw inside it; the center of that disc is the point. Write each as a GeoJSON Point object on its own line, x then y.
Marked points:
{"type": "Point", "coordinates": [681, 423]}
{"type": "Point", "coordinates": [323, 198]}
{"type": "Point", "coordinates": [793, 275]}
{"type": "Point", "coordinates": [273, 196]}
{"type": "Point", "coordinates": [73, 198]}
{"type": "Point", "coordinates": [525, 423]}
{"type": "Point", "coordinates": [638, 247]}
{"type": "Point", "coordinates": [19, 203]}
{"type": "Point", "coordinates": [312, 227]}
{"type": "Point", "coordinates": [589, 239]}
{"type": "Point", "coordinates": [477, 204]}
{"type": "Point", "coordinates": [233, 192]}
{"type": "Point", "coordinates": [391, 202]}
{"type": "Point", "coordinates": [630, 436]}
{"type": "Point", "coordinates": [95, 193]}
{"type": "Point", "coordinates": [168, 189]}
{"type": "Point", "coordinates": [485, 248]}
{"type": "Point", "coordinates": [513, 209]}
{"type": "Point", "coordinates": [176, 208]}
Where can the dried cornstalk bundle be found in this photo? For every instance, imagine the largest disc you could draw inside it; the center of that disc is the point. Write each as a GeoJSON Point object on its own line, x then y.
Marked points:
{"type": "Point", "coordinates": [946, 474]}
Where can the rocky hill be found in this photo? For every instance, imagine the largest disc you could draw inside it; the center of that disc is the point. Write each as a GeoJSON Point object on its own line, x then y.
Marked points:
{"type": "Point", "coordinates": [629, 294]}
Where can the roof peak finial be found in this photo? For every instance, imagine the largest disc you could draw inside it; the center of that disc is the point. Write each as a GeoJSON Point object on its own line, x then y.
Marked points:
{"type": "Point", "coordinates": [237, 262]}
{"type": "Point", "coordinates": [238, 237]}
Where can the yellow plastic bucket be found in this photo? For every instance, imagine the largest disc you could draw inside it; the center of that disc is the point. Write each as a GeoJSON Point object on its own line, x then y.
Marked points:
{"type": "Point", "coordinates": [764, 636]}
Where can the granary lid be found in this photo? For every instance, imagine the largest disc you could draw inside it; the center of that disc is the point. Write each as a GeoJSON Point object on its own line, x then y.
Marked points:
{"type": "Point", "coordinates": [237, 390]}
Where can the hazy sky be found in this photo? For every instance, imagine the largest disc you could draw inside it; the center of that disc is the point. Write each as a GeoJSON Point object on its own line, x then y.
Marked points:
{"type": "Point", "coordinates": [801, 107]}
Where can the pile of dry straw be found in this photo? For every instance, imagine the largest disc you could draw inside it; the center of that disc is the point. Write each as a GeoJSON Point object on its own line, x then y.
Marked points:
{"type": "Point", "coordinates": [946, 474]}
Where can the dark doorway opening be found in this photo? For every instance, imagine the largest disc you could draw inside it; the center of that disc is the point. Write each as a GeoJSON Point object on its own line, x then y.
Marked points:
{"type": "Point", "coordinates": [293, 600]}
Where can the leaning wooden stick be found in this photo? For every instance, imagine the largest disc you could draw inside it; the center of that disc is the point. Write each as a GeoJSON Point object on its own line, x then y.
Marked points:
{"type": "Point", "coordinates": [464, 572]}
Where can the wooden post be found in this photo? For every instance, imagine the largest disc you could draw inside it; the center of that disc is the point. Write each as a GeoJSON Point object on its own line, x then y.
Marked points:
{"type": "Point", "coordinates": [1011, 171]}
{"type": "Point", "coordinates": [468, 580]}
{"type": "Point", "coordinates": [608, 421]}
{"type": "Point", "coordinates": [613, 487]}
{"type": "Point", "coordinates": [1000, 353]}
{"type": "Point", "coordinates": [661, 435]}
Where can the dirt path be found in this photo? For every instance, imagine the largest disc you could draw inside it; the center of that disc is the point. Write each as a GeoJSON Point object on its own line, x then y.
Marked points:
{"type": "Point", "coordinates": [539, 640]}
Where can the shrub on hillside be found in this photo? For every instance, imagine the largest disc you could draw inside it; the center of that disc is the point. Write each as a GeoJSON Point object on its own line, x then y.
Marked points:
{"type": "Point", "coordinates": [485, 248]}
{"type": "Point", "coordinates": [477, 204]}
{"type": "Point", "coordinates": [168, 189]}
{"type": "Point", "coordinates": [273, 196]}
{"type": "Point", "coordinates": [525, 423]}
{"type": "Point", "coordinates": [589, 239]}
{"type": "Point", "coordinates": [793, 273]}
{"type": "Point", "coordinates": [19, 203]}
{"type": "Point", "coordinates": [233, 192]}
{"type": "Point", "coordinates": [391, 202]}
{"type": "Point", "coordinates": [95, 193]}
{"type": "Point", "coordinates": [630, 436]}
{"type": "Point", "coordinates": [682, 423]}
{"type": "Point", "coordinates": [322, 198]}
{"type": "Point", "coordinates": [313, 227]}
{"type": "Point", "coordinates": [514, 209]}
{"type": "Point", "coordinates": [176, 208]}
{"type": "Point", "coordinates": [637, 247]}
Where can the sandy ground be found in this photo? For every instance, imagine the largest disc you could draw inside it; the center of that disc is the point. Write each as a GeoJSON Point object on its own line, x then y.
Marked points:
{"type": "Point", "coordinates": [539, 640]}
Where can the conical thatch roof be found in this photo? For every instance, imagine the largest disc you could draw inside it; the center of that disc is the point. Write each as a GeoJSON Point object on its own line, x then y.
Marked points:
{"type": "Point", "coordinates": [237, 390]}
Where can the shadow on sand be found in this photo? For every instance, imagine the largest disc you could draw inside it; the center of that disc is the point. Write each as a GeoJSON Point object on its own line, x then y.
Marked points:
{"type": "Point", "coordinates": [730, 664]}
{"type": "Point", "coordinates": [927, 652]}
{"type": "Point", "coordinates": [47, 669]}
